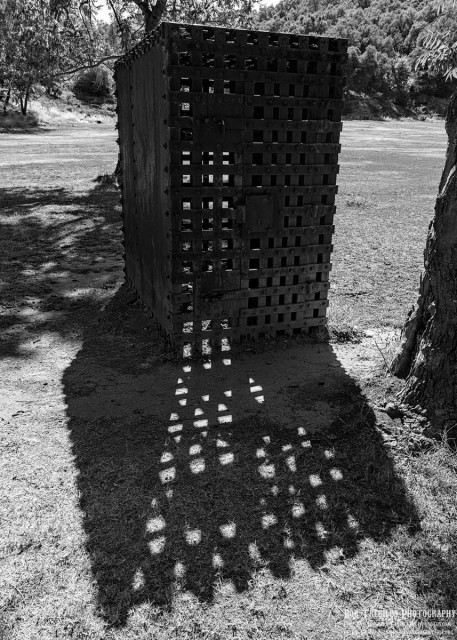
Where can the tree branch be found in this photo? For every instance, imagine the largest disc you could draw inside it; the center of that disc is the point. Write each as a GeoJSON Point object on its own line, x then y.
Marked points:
{"type": "Point", "coordinates": [83, 67]}
{"type": "Point", "coordinates": [113, 9]}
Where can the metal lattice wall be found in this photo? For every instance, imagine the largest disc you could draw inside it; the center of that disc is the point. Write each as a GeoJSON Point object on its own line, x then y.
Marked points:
{"type": "Point", "coordinates": [229, 151]}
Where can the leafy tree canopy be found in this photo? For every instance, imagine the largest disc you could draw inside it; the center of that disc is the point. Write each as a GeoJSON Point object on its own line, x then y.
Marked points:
{"type": "Point", "coordinates": [387, 38]}
{"type": "Point", "coordinates": [40, 40]}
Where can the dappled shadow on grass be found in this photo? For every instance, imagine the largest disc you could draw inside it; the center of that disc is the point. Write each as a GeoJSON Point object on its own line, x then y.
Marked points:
{"type": "Point", "coordinates": [186, 483]}
{"type": "Point", "coordinates": [51, 240]}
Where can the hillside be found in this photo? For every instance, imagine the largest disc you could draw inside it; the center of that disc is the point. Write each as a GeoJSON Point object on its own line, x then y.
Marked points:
{"type": "Point", "coordinates": [64, 111]}
{"type": "Point", "coordinates": [384, 44]}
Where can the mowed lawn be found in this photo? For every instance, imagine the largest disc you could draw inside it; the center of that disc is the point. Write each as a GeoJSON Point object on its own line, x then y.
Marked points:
{"type": "Point", "coordinates": [122, 520]}
{"type": "Point", "coordinates": [388, 184]}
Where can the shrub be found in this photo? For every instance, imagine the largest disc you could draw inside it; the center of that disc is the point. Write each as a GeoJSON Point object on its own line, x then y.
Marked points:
{"type": "Point", "coordinates": [368, 71]}
{"type": "Point", "coordinates": [15, 120]}
{"type": "Point", "coordinates": [401, 80]}
{"type": "Point", "coordinates": [95, 83]}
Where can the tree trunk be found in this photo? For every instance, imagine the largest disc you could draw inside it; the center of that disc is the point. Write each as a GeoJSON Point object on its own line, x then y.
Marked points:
{"type": "Point", "coordinates": [152, 16]}
{"type": "Point", "coordinates": [24, 101]}
{"type": "Point", "coordinates": [427, 356]}
{"type": "Point", "coordinates": [7, 100]}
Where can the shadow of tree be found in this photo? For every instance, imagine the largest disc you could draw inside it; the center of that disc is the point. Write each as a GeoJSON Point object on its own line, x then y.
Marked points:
{"type": "Point", "coordinates": [186, 480]}
{"type": "Point", "coordinates": [51, 240]}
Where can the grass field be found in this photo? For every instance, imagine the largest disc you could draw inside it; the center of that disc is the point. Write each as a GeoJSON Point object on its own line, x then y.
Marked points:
{"type": "Point", "coordinates": [387, 189]}
{"type": "Point", "coordinates": [268, 495]}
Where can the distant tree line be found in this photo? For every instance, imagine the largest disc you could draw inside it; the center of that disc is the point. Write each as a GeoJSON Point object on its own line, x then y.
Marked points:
{"type": "Point", "coordinates": [387, 40]}
{"type": "Point", "coordinates": [47, 43]}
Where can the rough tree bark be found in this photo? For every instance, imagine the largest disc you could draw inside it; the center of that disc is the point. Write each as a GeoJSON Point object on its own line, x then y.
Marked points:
{"type": "Point", "coordinates": [7, 100]}
{"type": "Point", "coordinates": [152, 16]}
{"type": "Point", "coordinates": [427, 356]}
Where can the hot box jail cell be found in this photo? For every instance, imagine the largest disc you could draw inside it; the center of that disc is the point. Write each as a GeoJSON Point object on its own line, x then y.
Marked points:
{"type": "Point", "coordinates": [229, 143]}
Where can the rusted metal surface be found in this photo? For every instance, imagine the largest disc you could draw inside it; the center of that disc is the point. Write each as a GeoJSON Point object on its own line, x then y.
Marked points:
{"type": "Point", "coordinates": [229, 153]}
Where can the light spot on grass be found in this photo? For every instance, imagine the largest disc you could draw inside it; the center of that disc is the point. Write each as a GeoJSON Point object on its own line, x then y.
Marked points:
{"type": "Point", "coordinates": [182, 402]}
{"type": "Point", "coordinates": [166, 457]}
{"type": "Point", "coordinates": [174, 416]}
{"type": "Point", "coordinates": [138, 580]}
{"type": "Point", "coordinates": [177, 439]}
{"type": "Point", "coordinates": [266, 439]}
{"type": "Point", "coordinates": [352, 523]}
{"type": "Point", "coordinates": [218, 562]}
{"type": "Point", "coordinates": [155, 524]}
{"type": "Point", "coordinates": [179, 570]}
{"type": "Point", "coordinates": [228, 394]}
{"type": "Point", "coordinates": [157, 546]}
{"type": "Point", "coordinates": [187, 368]}
{"type": "Point", "coordinates": [321, 502]}
{"type": "Point", "coordinates": [174, 427]}
{"type": "Point", "coordinates": [267, 470]}
{"type": "Point", "coordinates": [169, 494]}
{"type": "Point", "coordinates": [205, 398]}
{"type": "Point", "coordinates": [254, 552]}
{"type": "Point", "coordinates": [167, 475]}
{"type": "Point", "coordinates": [314, 480]}
{"type": "Point", "coordinates": [275, 490]}
{"type": "Point", "coordinates": [288, 543]}
{"type": "Point", "coordinates": [193, 536]}
{"type": "Point", "coordinates": [334, 555]}
{"type": "Point", "coordinates": [298, 510]}
{"type": "Point", "coordinates": [195, 449]}
{"type": "Point", "coordinates": [260, 399]}
{"type": "Point", "coordinates": [224, 419]}
{"type": "Point", "coordinates": [227, 361]}
{"type": "Point", "coordinates": [227, 588]}
{"type": "Point", "coordinates": [268, 520]}
{"type": "Point", "coordinates": [226, 458]}
{"type": "Point", "coordinates": [321, 531]}
{"type": "Point", "coordinates": [256, 388]}
{"type": "Point", "coordinates": [201, 423]}
{"type": "Point", "coordinates": [197, 465]}
{"type": "Point", "coordinates": [286, 447]}
{"type": "Point", "coordinates": [181, 391]}
{"type": "Point", "coordinates": [329, 454]}
{"type": "Point", "coordinates": [292, 490]}
{"type": "Point", "coordinates": [291, 463]}
{"type": "Point", "coordinates": [198, 412]}
{"type": "Point", "coordinates": [221, 407]}
{"type": "Point", "coordinates": [336, 474]}
{"type": "Point", "coordinates": [228, 530]}
{"type": "Point", "coordinates": [301, 431]}
{"type": "Point", "coordinates": [207, 365]}
{"type": "Point", "coordinates": [221, 443]}
{"type": "Point", "coordinates": [180, 381]}
{"type": "Point", "coordinates": [260, 453]}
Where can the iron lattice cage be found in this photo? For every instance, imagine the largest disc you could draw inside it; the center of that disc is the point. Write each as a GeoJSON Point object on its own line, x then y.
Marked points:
{"type": "Point", "coordinates": [229, 143]}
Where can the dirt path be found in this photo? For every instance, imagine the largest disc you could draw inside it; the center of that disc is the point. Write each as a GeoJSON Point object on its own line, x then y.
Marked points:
{"type": "Point", "coordinates": [99, 420]}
